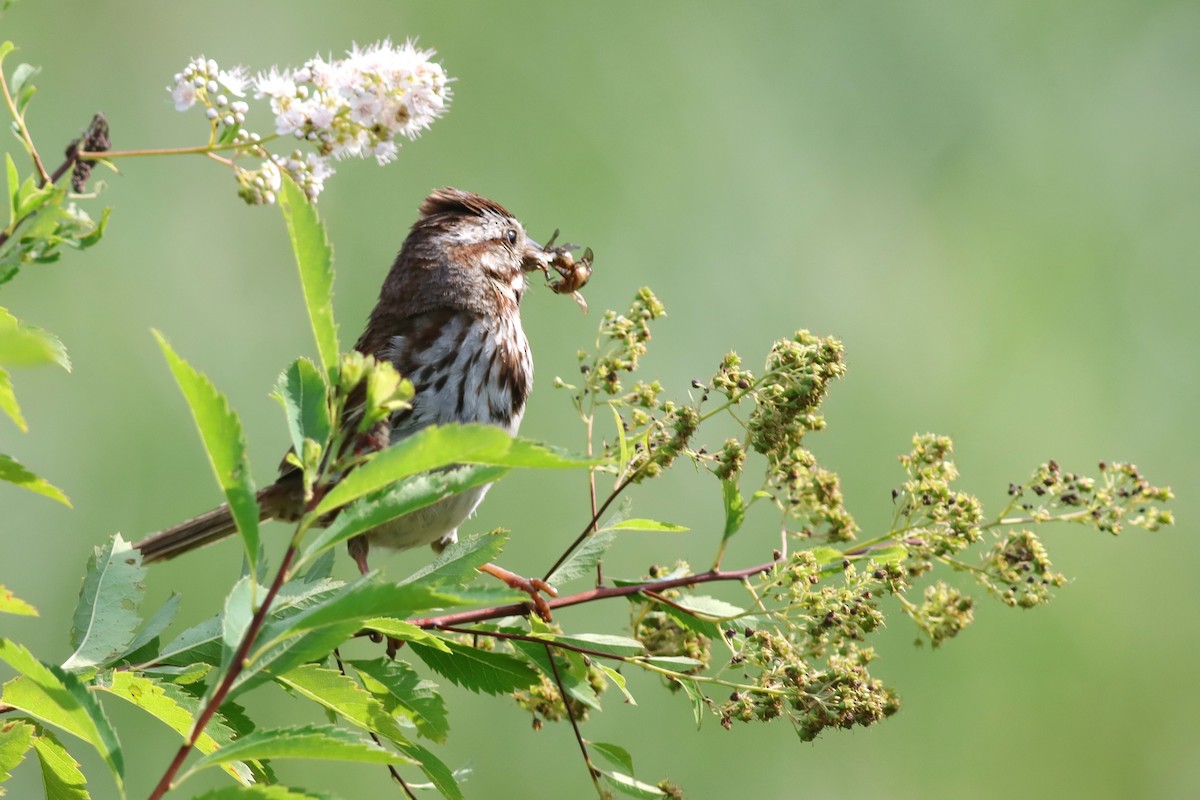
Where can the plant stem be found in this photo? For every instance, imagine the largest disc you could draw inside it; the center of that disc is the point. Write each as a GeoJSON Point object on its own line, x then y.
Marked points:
{"type": "Point", "coordinates": [24, 131]}
{"type": "Point", "coordinates": [599, 593]}
{"type": "Point", "coordinates": [236, 665]}
{"type": "Point", "coordinates": [562, 691]}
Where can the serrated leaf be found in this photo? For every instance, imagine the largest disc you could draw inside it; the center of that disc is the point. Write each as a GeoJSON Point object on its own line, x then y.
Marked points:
{"type": "Point", "coordinates": [440, 446]}
{"type": "Point", "coordinates": [60, 699]}
{"type": "Point", "coordinates": [405, 631]}
{"type": "Point", "coordinates": [11, 604]}
{"type": "Point", "coordinates": [601, 643]}
{"type": "Point", "coordinates": [646, 525]}
{"type": "Point", "coordinates": [618, 680]}
{"type": "Point", "coordinates": [633, 787]}
{"type": "Point", "coordinates": [457, 564]}
{"type": "Point", "coordinates": [314, 257]}
{"type": "Point", "coordinates": [154, 627]}
{"type": "Point", "coordinates": [406, 693]}
{"type": "Point", "coordinates": [221, 432]}
{"type": "Point", "coordinates": [177, 710]}
{"type": "Point", "coordinates": [61, 777]}
{"type": "Point", "coordinates": [585, 558]}
{"type": "Point", "coordinates": [16, 740]}
{"type": "Point", "coordinates": [395, 501]}
{"type": "Point", "coordinates": [341, 695]}
{"type": "Point", "coordinates": [348, 700]}
{"type": "Point", "coordinates": [302, 392]}
{"type": "Point", "coordinates": [106, 618]}
{"type": "Point", "coordinates": [478, 670]}
{"type": "Point", "coordinates": [24, 345]}
{"type": "Point", "coordinates": [12, 471]}
{"type": "Point", "coordinates": [735, 508]}
{"type": "Point", "coordinates": [309, 742]}
{"type": "Point", "coordinates": [8, 401]}
{"type": "Point", "coordinates": [571, 669]}
{"type": "Point", "coordinates": [239, 611]}
{"type": "Point", "coordinates": [614, 754]}
{"type": "Point", "coordinates": [365, 598]}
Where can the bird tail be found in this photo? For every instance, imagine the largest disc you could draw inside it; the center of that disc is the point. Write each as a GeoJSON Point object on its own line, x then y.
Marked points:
{"type": "Point", "coordinates": [208, 527]}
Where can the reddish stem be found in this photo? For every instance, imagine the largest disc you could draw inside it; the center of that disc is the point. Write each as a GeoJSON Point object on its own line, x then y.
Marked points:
{"type": "Point", "coordinates": [601, 593]}
{"type": "Point", "coordinates": [235, 668]}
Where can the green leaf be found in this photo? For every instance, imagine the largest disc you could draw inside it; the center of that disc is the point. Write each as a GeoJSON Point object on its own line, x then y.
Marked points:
{"type": "Point", "coordinates": [11, 604]}
{"type": "Point", "coordinates": [12, 471]}
{"type": "Point", "coordinates": [21, 76]}
{"type": "Point", "coordinates": [60, 699]}
{"type": "Point", "coordinates": [601, 643]}
{"type": "Point", "coordinates": [618, 680]}
{"type": "Point", "coordinates": [302, 392]}
{"type": "Point", "coordinates": [402, 690]}
{"type": "Point", "coordinates": [177, 710]}
{"type": "Point", "coordinates": [150, 632]}
{"type": "Point", "coordinates": [314, 256]}
{"type": "Point", "coordinates": [478, 670]}
{"type": "Point", "coordinates": [614, 754]}
{"type": "Point", "coordinates": [348, 700]}
{"type": "Point", "coordinates": [440, 446]}
{"type": "Point", "coordinates": [633, 787]}
{"type": "Point", "coordinates": [365, 598]}
{"type": "Point", "coordinates": [26, 346]}
{"type": "Point", "coordinates": [735, 508]}
{"type": "Point", "coordinates": [16, 739]}
{"type": "Point", "coordinates": [699, 701]}
{"type": "Point", "coordinates": [585, 558]}
{"type": "Point", "coordinates": [395, 501]}
{"type": "Point", "coordinates": [14, 186]}
{"type": "Point", "coordinates": [673, 662]}
{"type": "Point", "coordinates": [622, 441]}
{"type": "Point", "coordinates": [457, 565]}
{"type": "Point", "coordinates": [570, 666]}
{"type": "Point", "coordinates": [8, 401]}
{"type": "Point", "coordinates": [106, 617]}
{"type": "Point", "coordinates": [308, 742]}
{"type": "Point", "coordinates": [260, 792]}
{"type": "Point", "coordinates": [405, 631]}
{"type": "Point", "coordinates": [341, 695]}
{"type": "Point", "coordinates": [645, 525]}
{"type": "Point", "coordinates": [61, 777]}
{"type": "Point", "coordinates": [221, 432]}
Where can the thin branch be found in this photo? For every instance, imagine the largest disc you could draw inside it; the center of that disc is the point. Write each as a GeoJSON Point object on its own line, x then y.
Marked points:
{"type": "Point", "coordinates": [395, 773]}
{"type": "Point", "coordinates": [24, 131]}
{"type": "Point", "coordinates": [591, 595]}
{"type": "Point", "coordinates": [236, 665]}
{"type": "Point", "coordinates": [587, 529]}
{"type": "Point", "coordinates": [562, 691]}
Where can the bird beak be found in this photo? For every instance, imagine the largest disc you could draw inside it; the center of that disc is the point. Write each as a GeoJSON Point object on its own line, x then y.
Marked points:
{"type": "Point", "coordinates": [536, 257]}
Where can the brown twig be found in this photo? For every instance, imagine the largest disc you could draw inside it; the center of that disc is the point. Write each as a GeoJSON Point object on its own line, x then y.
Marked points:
{"type": "Point", "coordinates": [591, 526]}
{"type": "Point", "coordinates": [236, 666]}
{"type": "Point", "coordinates": [591, 595]}
{"type": "Point", "coordinates": [593, 773]}
{"type": "Point", "coordinates": [395, 773]}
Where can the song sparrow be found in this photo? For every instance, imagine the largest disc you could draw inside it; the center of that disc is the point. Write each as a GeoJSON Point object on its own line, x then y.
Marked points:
{"type": "Point", "coordinates": [448, 318]}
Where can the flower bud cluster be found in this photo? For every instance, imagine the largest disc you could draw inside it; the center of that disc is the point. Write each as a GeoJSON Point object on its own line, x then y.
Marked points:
{"type": "Point", "coordinates": [1123, 497]}
{"type": "Point", "coordinates": [944, 612]}
{"type": "Point", "coordinates": [788, 397]}
{"type": "Point", "coordinates": [1017, 569]}
{"type": "Point", "coordinates": [811, 494]}
{"type": "Point", "coordinates": [938, 520]}
{"type": "Point", "coordinates": [626, 337]}
{"type": "Point", "coordinates": [357, 106]}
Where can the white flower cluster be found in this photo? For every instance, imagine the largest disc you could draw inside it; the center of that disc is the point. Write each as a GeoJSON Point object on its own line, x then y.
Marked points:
{"type": "Point", "coordinates": [356, 106]}
{"type": "Point", "coordinates": [204, 82]}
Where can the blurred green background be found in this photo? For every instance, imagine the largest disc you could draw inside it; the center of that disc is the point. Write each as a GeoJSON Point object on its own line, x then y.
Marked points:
{"type": "Point", "coordinates": [988, 202]}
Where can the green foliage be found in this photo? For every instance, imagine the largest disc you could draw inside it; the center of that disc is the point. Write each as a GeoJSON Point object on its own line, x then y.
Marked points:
{"type": "Point", "coordinates": [221, 432]}
{"type": "Point", "coordinates": [797, 646]}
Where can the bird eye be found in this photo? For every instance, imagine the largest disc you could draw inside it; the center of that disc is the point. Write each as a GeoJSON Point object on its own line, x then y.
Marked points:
{"type": "Point", "coordinates": [510, 236]}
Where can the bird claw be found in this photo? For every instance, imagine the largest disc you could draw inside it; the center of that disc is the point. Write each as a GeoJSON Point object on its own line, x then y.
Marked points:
{"type": "Point", "coordinates": [534, 587]}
